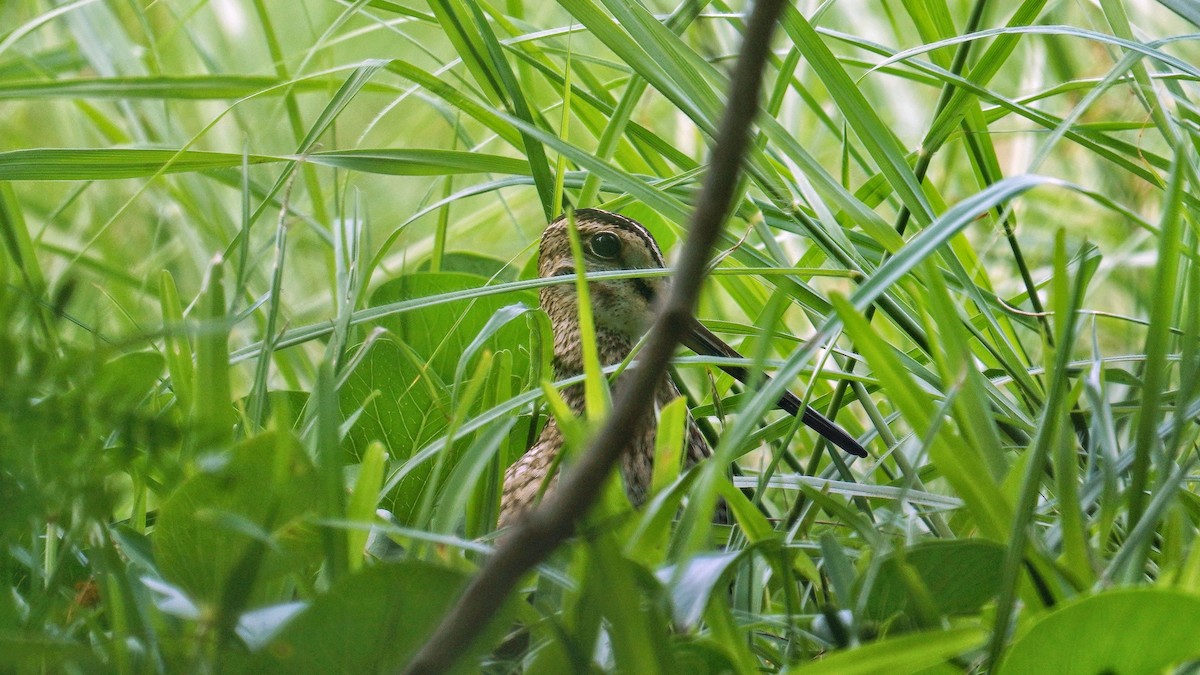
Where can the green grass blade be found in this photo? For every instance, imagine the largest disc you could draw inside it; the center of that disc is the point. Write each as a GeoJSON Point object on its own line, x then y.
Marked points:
{"type": "Point", "coordinates": [906, 653]}
{"type": "Point", "coordinates": [178, 346]}
{"type": "Point", "coordinates": [596, 391]}
{"type": "Point", "coordinates": [212, 414]}
{"type": "Point", "coordinates": [1158, 337]}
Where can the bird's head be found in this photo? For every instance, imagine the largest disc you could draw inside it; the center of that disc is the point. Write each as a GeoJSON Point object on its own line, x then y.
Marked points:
{"type": "Point", "coordinates": [623, 308]}
{"type": "Point", "coordinates": [610, 242]}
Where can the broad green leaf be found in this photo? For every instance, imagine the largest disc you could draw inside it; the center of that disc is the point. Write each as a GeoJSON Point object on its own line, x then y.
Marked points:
{"type": "Point", "coordinates": [373, 621]}
{"type": "Point", "coordinates": [475, 264]}
{"type": "Point", "coordinates": [407, 381]}
{"type": "Point", "coordinates": [960, 575]}
{"type": "Point", "coordinates": [403, 407]}
{"type": "Point", "coordinates": [1131, 630]}
{"type": "Point", "coordinates": [440, 334]}
{"type": "Point", "coordinates": [262, 491]}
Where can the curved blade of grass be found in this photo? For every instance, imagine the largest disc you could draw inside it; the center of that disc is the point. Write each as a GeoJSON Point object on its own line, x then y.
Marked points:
{"type": "Point", "coordinates": [188, 88]}
{"type": "Point", "coordinates": [417, 162]}
{"type": "Point", "coordinates": [116, 163]}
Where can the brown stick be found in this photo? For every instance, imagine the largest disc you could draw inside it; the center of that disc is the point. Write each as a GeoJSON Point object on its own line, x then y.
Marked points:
{"type": "Point", "coordinates": [542, 530]}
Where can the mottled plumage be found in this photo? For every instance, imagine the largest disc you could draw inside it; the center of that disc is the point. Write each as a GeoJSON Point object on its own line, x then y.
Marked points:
{"type": "Point", "coordinates": [622, 310]}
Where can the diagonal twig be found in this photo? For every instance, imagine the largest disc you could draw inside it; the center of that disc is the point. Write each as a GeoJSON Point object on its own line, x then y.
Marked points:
{"type": "Point", "coordinates": [542, 530]}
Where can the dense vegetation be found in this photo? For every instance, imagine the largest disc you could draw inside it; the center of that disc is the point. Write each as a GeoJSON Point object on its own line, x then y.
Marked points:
{"type": "Point", "coordinates": [269, 333]}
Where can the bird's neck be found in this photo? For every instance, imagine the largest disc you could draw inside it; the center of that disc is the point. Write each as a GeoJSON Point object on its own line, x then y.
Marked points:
{"type": "Point", "coordinates": [612, 347]}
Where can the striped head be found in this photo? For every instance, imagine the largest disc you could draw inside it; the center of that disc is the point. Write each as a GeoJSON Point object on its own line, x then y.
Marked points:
{"type": "Point", "coordinates": [610, 242]}
{"type": "Point", "coordinates": [624, 308]}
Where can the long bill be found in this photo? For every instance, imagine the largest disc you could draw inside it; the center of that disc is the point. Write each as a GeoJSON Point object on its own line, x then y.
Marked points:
{"type": "Point", "coordinates": [702, 341]}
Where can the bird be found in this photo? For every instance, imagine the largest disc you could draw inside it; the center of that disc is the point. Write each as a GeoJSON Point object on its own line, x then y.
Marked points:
{"type": "Point", "coordinates": [622, 310]}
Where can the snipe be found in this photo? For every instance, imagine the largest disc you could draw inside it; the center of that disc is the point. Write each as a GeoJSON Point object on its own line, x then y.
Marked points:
{"type": "Point", "coordinates": [622, 309]}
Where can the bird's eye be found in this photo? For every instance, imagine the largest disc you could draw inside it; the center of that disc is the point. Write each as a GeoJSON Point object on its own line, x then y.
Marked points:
{"type": "Point", "coordinates": [605, 245]}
